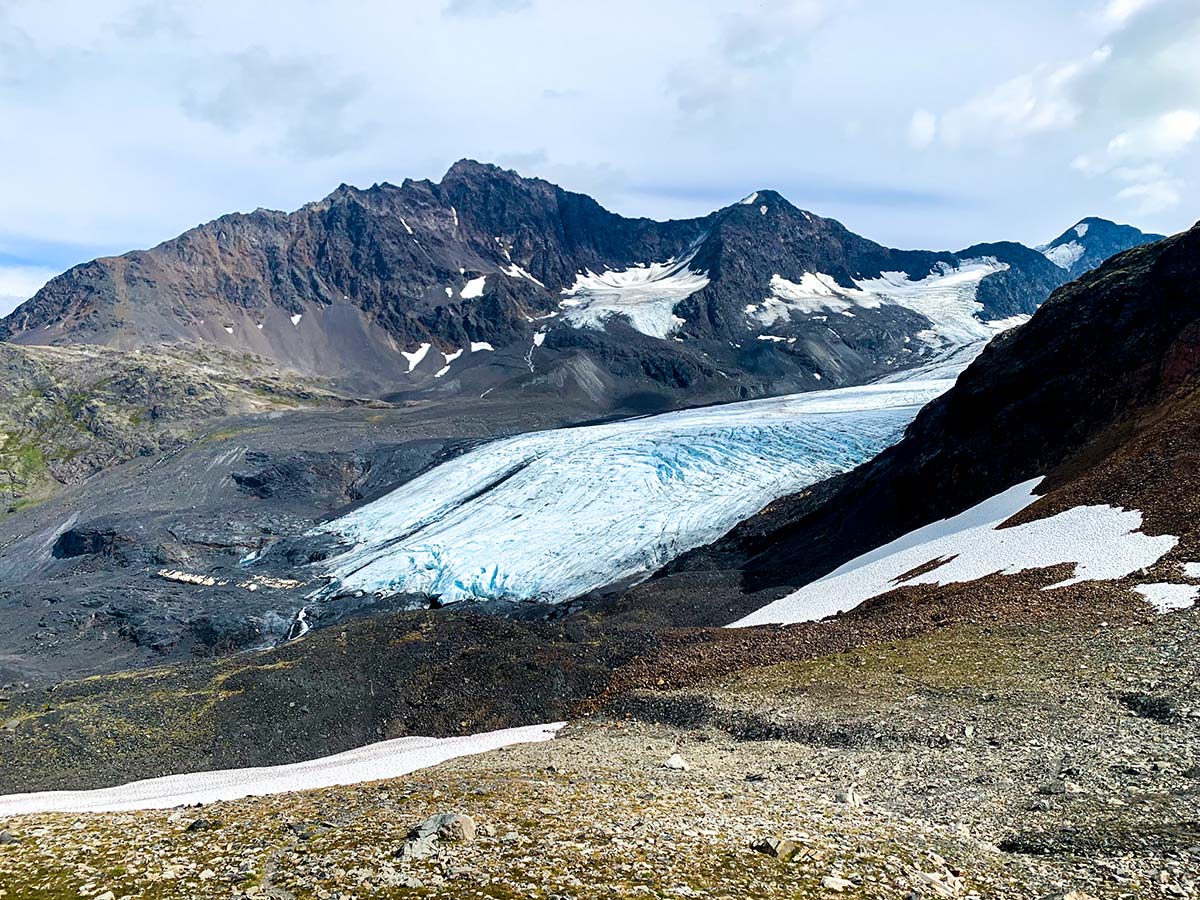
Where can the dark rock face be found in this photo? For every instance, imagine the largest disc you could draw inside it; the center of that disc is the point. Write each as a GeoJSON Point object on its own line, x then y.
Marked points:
{"type": "Point", "coordinates": [341, 287]}
{"type": "Point", "coordinates": [1109, 358]}
{"type": "Point", "coordinates": [93, 540]}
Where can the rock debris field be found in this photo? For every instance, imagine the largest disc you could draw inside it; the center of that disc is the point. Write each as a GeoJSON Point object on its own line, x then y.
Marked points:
{"type": "Point", "coordinates": [1055, 760]}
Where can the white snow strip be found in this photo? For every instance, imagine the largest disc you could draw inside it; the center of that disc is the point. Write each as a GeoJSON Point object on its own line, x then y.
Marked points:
{"type": "Point", "coordinates": [386, 759]}
{"type": "Point", "coordinates": [1168, 597]}
{"type": "Point", "coordinates": [229, 329]}
{"type": "Point", "coordinates": [946, 296]}
{"type": "Point", "coordinates": [406, 225]}
{"type": "Point", "coordinates": [414, 358]}
{"type": "Point", "coordinates": [539, 338]}
{"type": "Point", "coordinates": [550, 515]}
{"type": "Point", "coordinates": [1104, 543]}
{"type": "Point", "coordinates": [1065, 255]}
{"type": "Point", "coordinates": [302, 621]}
{"type": "Point", "coordinates": [476, 346]}
{"type": "Point", "coordinates": [645, 295]}
{"type": "Point", "coordinates": [450, 357]}
{"type": "Point", "coordinates": [774, 338]}
{"type": "Point", "coordinates": [749, 201]}
{"type": "Point", "coordinates": [296, 318]}
{"type": "Point", "coordinates": [474, 288]}
{"type": "Point", "coordinates": [515, 271]}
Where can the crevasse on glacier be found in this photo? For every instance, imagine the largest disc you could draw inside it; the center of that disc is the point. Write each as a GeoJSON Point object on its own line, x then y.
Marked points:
{"type": "Point", "coordinates": [550, 515]}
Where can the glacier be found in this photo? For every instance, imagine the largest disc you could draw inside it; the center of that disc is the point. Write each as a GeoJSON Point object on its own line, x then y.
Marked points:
{"type": "Point", "coordinates": [551, 515]}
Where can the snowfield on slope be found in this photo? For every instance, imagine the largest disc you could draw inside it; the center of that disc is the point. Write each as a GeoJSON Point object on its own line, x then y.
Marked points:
{"type": "Point", "coordinates": [386, 759]}
{"type": "Point", "coordinates": [946, 296]}
{"type": "Point", "coordinates": [1104, 543]}
{"type": "Point", "coordinates": [551, 515]}
{"type": "Point", "coordinates": [645, 295]}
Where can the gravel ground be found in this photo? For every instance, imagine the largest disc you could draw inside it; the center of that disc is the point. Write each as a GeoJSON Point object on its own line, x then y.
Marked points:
{"type": "Point", "coordinates": [1014, 762]}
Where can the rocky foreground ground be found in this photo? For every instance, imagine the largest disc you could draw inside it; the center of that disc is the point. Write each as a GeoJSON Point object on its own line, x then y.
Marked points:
{"type": "Point", "coordinates": [1056, 760]}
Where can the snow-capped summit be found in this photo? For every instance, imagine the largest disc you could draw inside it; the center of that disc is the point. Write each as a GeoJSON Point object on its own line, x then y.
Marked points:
{"type": "Point", "coordinates": [1091, 241]}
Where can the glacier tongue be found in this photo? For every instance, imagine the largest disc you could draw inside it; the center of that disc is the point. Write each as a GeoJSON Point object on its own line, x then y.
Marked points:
{"type": "Point", "coordinates": [551, 515]}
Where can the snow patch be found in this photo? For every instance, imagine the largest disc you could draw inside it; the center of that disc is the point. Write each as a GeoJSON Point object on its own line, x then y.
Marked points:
{"type": "Point", "coordinates": [1081, 229]}
{"type": "Point", "coordinates": [1065, 255]}
{"type": "Point", "coordinates": [1192, 570]}
{"type": "Point", "coordinates": [474, 288]}
{"type": "Point", "coordinates": [1168, 597]}
{"type": "Point", "coordinates": [1104, 543]}
{"type": "Point", "coordinates": [296, 318]}
{"type": "Point", "coordinates": [515, 271]}
{"type": "Point", "coordinates": [763, 209]}
{"type": "Point", "coordinates": [449, 357]}
{"type": "Point", "coordinates": [539, 338]}
{"type": "Point", "coordinates": [645, 295]}
{"type": "Point", "coordinates": [476, 346]}
{"type": "Point", "coordinates": [550, 515]}
{"type": "Point", "coordinates": [386, 759]}
{"type": "Point", "coordinates": [749, 201]}
{"type": "Point", "coordinates": [414, 358]}
{"type": "Point", "coordinates": [406, 226]}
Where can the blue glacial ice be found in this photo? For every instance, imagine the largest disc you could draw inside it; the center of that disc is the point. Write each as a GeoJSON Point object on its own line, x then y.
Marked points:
{"type": "Point", "coordinates": [550, 515]}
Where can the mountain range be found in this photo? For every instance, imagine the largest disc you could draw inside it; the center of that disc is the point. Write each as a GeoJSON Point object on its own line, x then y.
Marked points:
{"type": "Point", "coordinates": [487, 282]}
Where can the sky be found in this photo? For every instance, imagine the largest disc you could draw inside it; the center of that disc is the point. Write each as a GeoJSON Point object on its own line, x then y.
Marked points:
{"type": "Point", "coordinates": [929, 123]}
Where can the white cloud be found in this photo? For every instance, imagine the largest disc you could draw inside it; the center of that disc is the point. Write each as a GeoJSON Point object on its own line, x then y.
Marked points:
{"type": "Point", "coordinates": [1126, 112]}
{"type": "Point", "coordinates": [1117, 12]}
{"type": "Point", "coordinates": [484, 7]}
{"type": "Point", "coordinates": [1138, 159]}
{"type": "Point", "coordinates": [1038, 101]}
{"type": "Point", "coordinates": [922, 128]}
{"type": "Point", "coordinates": [1152, 197]}
{"type": "Point", "coordinates": [19, 283]}
{"type": "Point", "coordinates": [754, 49]}
{"type": "Point", "coordinates": [672, 108]}
{"type": "Point", "coordinates": [1164, 136]}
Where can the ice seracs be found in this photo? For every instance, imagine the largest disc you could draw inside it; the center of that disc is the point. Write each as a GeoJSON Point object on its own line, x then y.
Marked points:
{"type": "Point", "coordinates": [644, 295]}
{"type": "Point", "coordinates": [1103, 542]}
{"type": "Point", "coordinates": [551, 515]}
